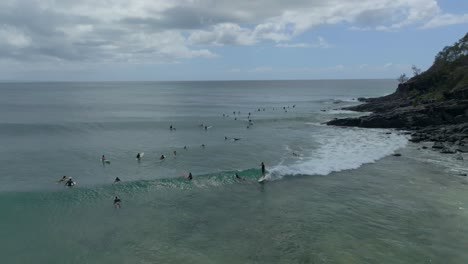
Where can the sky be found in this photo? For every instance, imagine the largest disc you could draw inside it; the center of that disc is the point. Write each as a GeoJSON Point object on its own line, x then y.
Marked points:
{"type": "Point", "coordinates": [144, 40]}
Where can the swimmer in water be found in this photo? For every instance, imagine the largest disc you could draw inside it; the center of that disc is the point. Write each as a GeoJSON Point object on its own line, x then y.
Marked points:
{"type": "Point", "coordinates": [117, 180]}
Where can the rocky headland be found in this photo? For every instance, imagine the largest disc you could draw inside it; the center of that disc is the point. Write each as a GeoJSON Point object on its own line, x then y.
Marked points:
{"type": "Point", "coordinates": [433, 105]}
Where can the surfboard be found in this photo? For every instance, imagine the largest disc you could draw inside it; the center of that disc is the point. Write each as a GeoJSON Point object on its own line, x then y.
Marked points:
{"type": "Point", "coordinates": [107, 161]}
{"type": "Point", "coordinates": [261, 179]}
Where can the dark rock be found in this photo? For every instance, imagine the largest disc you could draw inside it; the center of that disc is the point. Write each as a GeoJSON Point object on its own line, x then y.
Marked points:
{"type": "Point", "coordinates": [397, 155]}
{"type": "Point", "coordinates": [463, 174]}
{"type": "Point", "coordinates": [424, 147]}
{"type": "Point", "coordinates": [438, 145]}
{"type": "Point", "coordinates": [448, 151]}
{"type": "Point", "coordinates": [462, 149]}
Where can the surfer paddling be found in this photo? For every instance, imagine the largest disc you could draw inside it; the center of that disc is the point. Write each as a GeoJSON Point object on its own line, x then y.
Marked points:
{"type": "Point", "coordinates": [239, 177]}
{"type": "Point", "coordinates": [63, 179]}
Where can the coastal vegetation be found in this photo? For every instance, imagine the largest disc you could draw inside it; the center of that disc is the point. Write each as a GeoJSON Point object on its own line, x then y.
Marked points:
{"type": "Point", "coordinates": [433, 103]}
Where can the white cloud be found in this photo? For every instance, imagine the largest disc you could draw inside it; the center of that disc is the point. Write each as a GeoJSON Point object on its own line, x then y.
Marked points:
{"type": "Point", "coordinates": [160, 30]}
{"type": "Point", "coordinates": [13, 37]}
{"type": "Point", "coordinates": [445, 20]}
{"type": "Point", "coordinates": [223, 34]}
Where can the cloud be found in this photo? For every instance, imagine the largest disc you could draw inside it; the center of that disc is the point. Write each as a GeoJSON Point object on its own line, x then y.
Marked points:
{"type": "Point", "coordinates": [160, 31]}
{"type": "Point", "coordinates": [223, 34]}
{"type": "Point", "coordinates": [445, 20]}
{"type": "Point", "coordinates": [320, 43]}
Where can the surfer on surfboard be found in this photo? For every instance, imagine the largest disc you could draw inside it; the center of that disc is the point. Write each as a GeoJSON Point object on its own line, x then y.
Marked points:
{"type": "Point", "coordinates": [138, 156]}
{"type": "Point", "coordinates": [117, 202]}
{"type": "Point", "coordinates": [70, 182]}
{"type": "Point", "coordinates": [262, 179]}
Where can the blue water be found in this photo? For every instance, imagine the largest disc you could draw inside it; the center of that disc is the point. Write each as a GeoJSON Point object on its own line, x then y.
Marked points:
{"type": "Point", "coordinates": [333, 195]}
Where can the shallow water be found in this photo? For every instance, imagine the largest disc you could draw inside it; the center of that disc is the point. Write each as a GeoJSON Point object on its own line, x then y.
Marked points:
{"type": "Point", "coordinates": [342, 200]}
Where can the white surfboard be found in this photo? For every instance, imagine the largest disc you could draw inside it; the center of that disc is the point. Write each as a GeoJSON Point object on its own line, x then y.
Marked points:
{"type": "Point", "coordinates": [261, 179]}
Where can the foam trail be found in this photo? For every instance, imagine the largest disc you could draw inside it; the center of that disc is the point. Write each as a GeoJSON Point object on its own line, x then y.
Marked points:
{"type": "Point", "coordinates": [342, 149]}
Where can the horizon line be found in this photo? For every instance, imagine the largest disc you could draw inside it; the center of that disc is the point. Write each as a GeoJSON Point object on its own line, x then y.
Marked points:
{"type": "Point", "coordinates": [208, 80]}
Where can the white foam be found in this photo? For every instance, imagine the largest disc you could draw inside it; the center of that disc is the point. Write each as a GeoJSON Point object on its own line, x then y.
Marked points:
{"type": "Point", "coordinates": [340, 111]}
{"type": "Point", "coordinates": [342, 149]}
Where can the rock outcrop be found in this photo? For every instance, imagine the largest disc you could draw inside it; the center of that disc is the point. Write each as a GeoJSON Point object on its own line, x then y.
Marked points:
{"type": "Point", "coordinates": [433, 104]}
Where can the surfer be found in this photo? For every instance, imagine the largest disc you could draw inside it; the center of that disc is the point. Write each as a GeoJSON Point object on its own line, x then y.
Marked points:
{"type": "Point", "coordinates": [239, 177]}
{"type": "Point", "coordinates": [190, 177]}
{"type": "Point", "coordinates": [103, 158]}
{"type": "Point", "coordinates": [116, 180]}
{"type": "Point", "coordinates": [206, 127]}
{"type": "Point", "coordinates": [225, 138]}
{"type": "Point", "coordinates": [185, 147]}
{"type": "Point", "coordinates": [70, 182]}
{"type": "Point", "coordinates": [64, 178]}
{"type": "Point", "coordinates": [117, 202]}
{"type": "Point", "coordinates": [162, 157]}
{"type": "Point", "coordinates": [263, 168]}
{"type": "Point", "coordinates": [174, 153]}
{"type": "Point", "coordinates": [170, 128]}
{"type": "Point", "coordinates": [203, 145]}
{"type": "Point", "coordinates": [138, 156]}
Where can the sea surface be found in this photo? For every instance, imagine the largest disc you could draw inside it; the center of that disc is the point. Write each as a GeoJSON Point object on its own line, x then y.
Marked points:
{"type": "Point", "coordinates": [332, 195]}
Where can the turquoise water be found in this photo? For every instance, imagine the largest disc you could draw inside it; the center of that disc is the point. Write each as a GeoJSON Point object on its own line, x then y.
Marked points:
{"type": "Point", "coordinates": [341, 199]}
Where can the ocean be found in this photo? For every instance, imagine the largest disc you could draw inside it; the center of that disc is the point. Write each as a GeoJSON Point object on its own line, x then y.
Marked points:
{"type": "Point", "coordinates": [332, 195]}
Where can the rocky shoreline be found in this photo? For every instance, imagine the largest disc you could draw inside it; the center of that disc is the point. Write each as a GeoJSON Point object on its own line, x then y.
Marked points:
{"type": "Point", "coordinates": [432, 105]}
{"type": "Point", "coordinates": [445, 124]}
